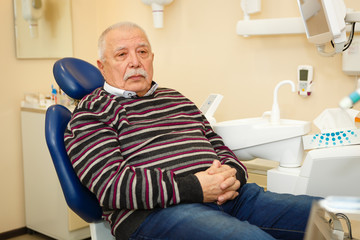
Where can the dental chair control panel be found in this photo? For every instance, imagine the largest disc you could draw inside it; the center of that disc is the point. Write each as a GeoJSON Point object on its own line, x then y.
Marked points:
{"type": "Point", "coordinates": [324, 172]}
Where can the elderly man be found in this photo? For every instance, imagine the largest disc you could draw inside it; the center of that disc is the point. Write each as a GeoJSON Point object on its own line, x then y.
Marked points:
{"type": "Point", "coordinates": [157, 168]}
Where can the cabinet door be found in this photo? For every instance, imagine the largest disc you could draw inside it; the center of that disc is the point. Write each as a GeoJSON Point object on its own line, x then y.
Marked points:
{"type": "Point", "coordinates": [45, 206]}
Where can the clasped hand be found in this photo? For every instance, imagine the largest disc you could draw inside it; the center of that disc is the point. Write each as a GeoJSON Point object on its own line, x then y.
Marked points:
{"type": "Point", "coordinates": [219, 183]}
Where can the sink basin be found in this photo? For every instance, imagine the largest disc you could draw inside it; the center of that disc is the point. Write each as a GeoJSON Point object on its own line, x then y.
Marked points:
{"type": "Point", "coordinates": [258, 137]}
{"type": "Point", "coordinates": [242, 133]}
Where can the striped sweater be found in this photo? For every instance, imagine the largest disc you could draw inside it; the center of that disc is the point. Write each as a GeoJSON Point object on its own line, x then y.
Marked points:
{"type": "Point", "coordinates": [140, 154]}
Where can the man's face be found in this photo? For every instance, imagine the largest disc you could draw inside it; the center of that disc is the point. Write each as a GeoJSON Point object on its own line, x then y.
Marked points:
{"type": "Point", "coordinates": [128, 61]}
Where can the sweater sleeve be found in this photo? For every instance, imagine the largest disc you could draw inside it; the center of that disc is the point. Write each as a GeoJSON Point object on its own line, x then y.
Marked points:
{"type": "Point", "coordinates": [226, 156]}
{"type": "Point", "coordinates": [93, 148]}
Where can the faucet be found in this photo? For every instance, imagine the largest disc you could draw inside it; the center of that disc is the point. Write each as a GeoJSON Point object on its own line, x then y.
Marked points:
{"type": "Point", "coordinates": [275, 111]}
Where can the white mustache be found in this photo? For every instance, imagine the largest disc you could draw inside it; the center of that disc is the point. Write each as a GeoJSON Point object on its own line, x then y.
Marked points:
{"type": "Point", "coordinates": [133, 72]}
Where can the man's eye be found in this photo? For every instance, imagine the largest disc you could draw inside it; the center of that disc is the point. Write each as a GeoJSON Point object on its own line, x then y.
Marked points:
{"type": "Point", "coordinates": [143, 53]}
{"type": "Point", "coordinates": [121, 54]}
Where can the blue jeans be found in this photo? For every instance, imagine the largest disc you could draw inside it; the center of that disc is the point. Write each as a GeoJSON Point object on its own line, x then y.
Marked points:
{"type": "Point", "coordinates": [254, 214]}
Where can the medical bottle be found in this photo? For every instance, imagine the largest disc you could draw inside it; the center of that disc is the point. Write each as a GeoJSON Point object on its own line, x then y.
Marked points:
{"type": "Point", "coordinates": [53, 94]}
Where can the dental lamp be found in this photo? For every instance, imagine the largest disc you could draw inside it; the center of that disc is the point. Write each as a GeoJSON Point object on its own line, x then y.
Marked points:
{"type": "Point", "coordinates": [32, 12]}
{"type": "Point", "coordinates": [157, 10]}
{"type": "Point", "coordinates": [325, 21]}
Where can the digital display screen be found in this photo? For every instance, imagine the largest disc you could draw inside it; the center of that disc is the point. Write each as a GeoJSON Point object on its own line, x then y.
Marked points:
{"type": "Point", "coordinates": [303, 75]}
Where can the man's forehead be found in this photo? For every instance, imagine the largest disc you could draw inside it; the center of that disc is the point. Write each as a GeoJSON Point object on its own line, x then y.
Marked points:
{"type": "Point", "coordinates": [139, 45]}
{"type": "Point", "coordinates": [128, 36]}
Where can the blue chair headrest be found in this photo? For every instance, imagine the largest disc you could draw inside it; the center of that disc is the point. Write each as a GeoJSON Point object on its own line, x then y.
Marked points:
{"type": "Point", "coordinates": [76, 77]}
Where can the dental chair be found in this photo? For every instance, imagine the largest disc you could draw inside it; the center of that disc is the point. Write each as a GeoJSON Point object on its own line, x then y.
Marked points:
{"type": "Point", "coordinates": [76, 78]}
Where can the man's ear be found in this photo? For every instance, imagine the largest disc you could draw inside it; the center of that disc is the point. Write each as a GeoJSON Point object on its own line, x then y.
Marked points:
{"type": "Point", "coordinates": [100, 66]}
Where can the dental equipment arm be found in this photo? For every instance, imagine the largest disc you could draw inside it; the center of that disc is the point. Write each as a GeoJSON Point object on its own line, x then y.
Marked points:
{"type": "Point", "coordinates": [158, 11]}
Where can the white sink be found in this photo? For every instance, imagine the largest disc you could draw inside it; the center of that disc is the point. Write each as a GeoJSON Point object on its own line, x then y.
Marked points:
{"type": "Point", "coordinates": [267, 137]}
{"type": "Point", "coordinates": [242, 133]}
{"type": "Point", "coordinates": [251, 138]}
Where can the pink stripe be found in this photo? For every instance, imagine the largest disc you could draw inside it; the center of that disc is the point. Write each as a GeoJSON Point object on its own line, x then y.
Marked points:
{"type": "Point", "coordinates": [105, 166]}
{"type": "Point", "coordinates": [161, 189]}
{"type": "Point", "coordinates": [86, 135]}
{"type": "Point", "coordinates": [110, 178]}
{"type": "Point", "coordinates": [104, 109]}
{"type": "Point", "coordinates": [97, 157]}
{"type": "Point", "coordinates": [232, 156]}
{"type": "Point", "coordinates": [192, 164]}
{"type": "Point", "coordinates": [83, 124]}
{"type": "Point", "coordinates": [160, 144]}
{"type": "Point", "coordinates": [169, 117]}
{"type": "Point", "coordinates": [147, 190]}
{"type": "Point", "coordinates": [161, 108]}
{"type": "Point", "coordinates": [91, 146]}
{"type": "Point", "coordinates": [169, 156]}
{"type": "Point", "coordinates": [160, 97]}
{"type": "Point", "coordinates": [121, 216]}
{"type": "Point", "coordinates": [115, 115]}
{"type": "Point", "coordinates": [116, 183]}
{"type": "Point", "coordinates": [157, 125]}
{"type": "Point", "coordinates": [130, 188]}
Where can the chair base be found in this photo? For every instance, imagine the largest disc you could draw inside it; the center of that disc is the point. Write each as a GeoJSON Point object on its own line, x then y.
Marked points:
{"type": "Point", "coordinates": [101, 231]}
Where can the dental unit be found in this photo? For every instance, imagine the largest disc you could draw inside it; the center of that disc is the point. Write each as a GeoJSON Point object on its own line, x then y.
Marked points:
{"type": "Point", "coordinates": [325, 169]}
{"type": "Point", "coordinates": [318, 172]}
{"type": "Point", "coordinates": [266, 137]}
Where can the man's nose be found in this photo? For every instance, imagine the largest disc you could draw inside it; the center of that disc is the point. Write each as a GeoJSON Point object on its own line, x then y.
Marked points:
{"type": "Point", "coordinates": [134, 61]}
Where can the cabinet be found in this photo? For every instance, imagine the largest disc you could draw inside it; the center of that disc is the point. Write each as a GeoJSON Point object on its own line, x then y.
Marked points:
{"type": "Point", "coordinates": [45, 206]}
{"type": "Point", "coordinates": [257, 170]}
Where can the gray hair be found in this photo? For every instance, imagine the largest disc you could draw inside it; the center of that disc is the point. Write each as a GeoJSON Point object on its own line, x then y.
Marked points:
{"type": "Point", "coordinates": [119, 25]}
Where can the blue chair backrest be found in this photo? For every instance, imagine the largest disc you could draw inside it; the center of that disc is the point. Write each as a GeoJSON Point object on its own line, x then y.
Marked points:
{"type": "Point", "coordinates": [76, 78]}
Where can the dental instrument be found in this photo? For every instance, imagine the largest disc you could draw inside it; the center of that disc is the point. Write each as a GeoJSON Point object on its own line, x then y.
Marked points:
{"type": "Point", "coordinates": [349, 101]}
